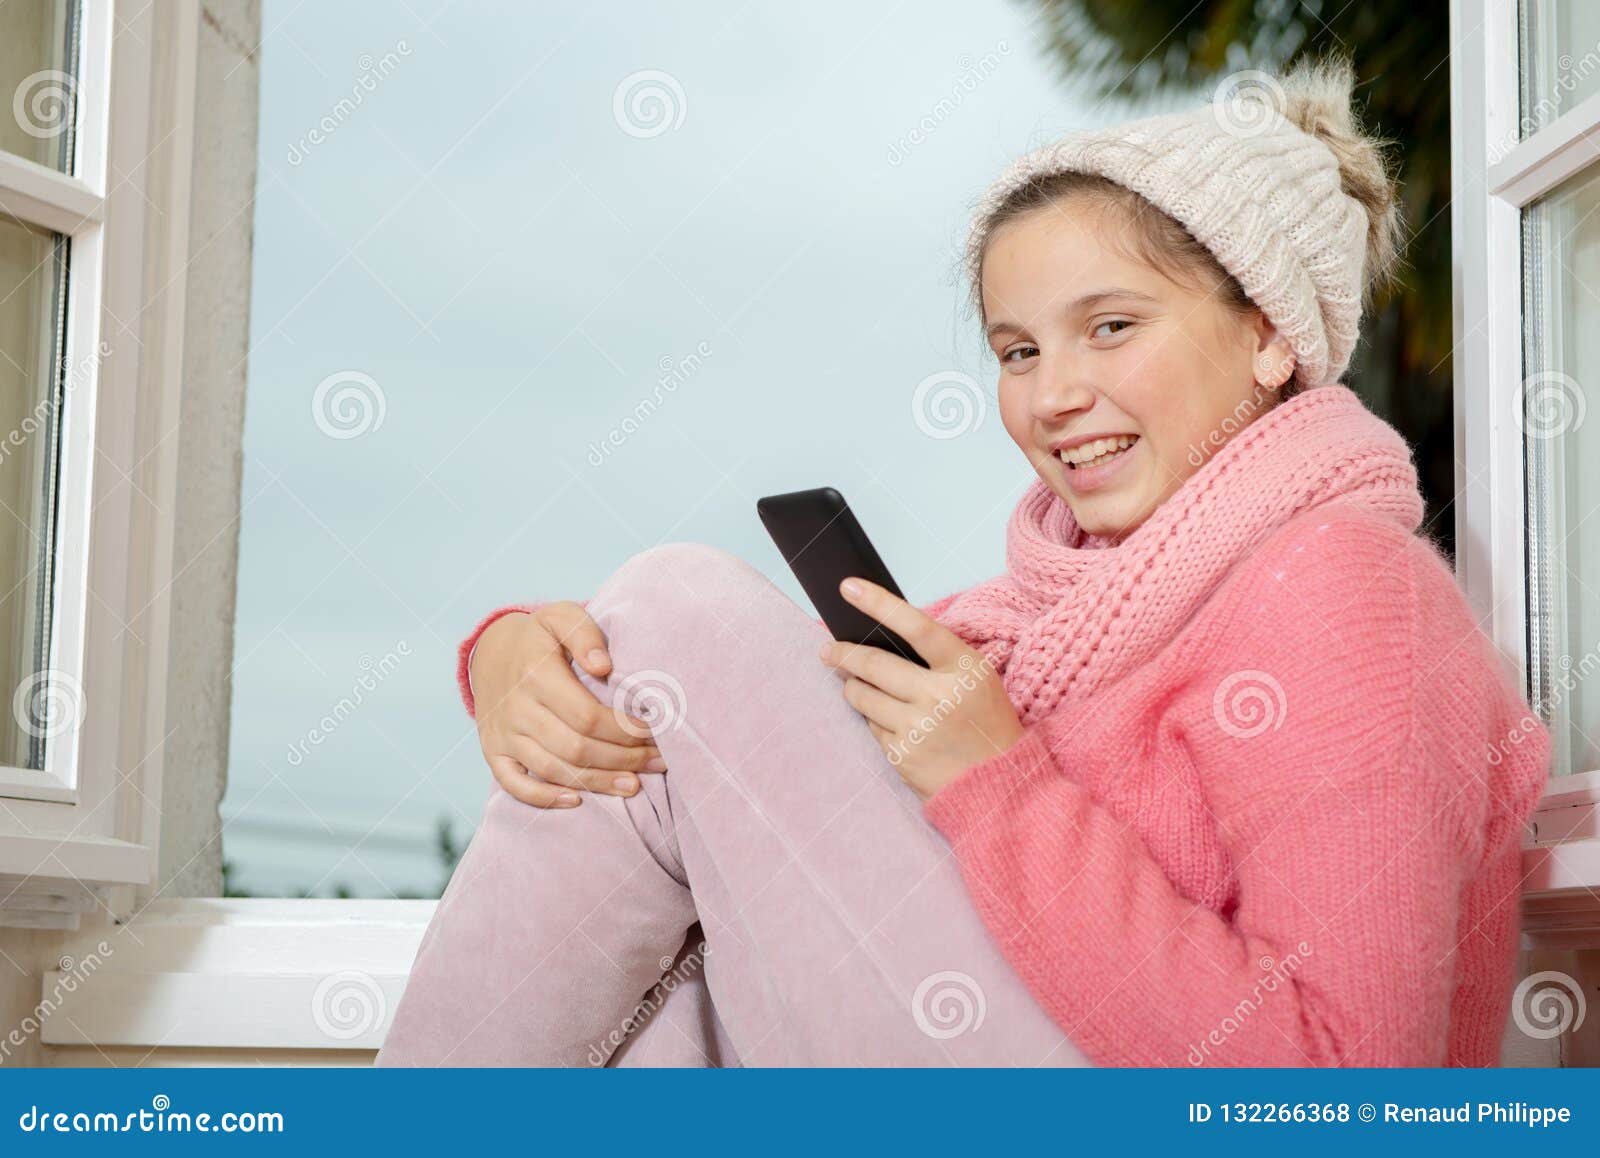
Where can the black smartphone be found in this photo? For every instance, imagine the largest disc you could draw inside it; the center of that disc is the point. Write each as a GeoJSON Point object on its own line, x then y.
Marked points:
{"type": "Point", "coordinates": [822, 542]}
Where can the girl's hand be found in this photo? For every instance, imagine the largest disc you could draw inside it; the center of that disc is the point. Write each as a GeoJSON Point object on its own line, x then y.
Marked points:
{"type": "Point", "coordinates": [544, 733]}
{"type": "Point", "coordinates": [933, 723]}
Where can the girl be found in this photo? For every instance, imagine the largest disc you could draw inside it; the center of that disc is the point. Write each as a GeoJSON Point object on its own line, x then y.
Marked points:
{"type": "Point", "coordinates": [1217, 772]}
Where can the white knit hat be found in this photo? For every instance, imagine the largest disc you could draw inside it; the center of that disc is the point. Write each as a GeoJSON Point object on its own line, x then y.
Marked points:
{"type": "Point", "coordinates": [1261, 194]}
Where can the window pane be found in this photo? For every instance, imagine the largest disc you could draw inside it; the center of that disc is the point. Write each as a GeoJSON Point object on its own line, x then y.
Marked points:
{"type": "Point", "coordinates": [394, 399]}
{"type": "Point", "coordinates": [1561, 362]}
{"type": "Point", "coordinates": [39, 80]}
{"type": "Point", "coordinates": [33, 269]}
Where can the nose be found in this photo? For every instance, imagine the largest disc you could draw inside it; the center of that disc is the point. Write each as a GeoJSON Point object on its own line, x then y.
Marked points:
{"type": "Point", "coordinates": [1060, 390]}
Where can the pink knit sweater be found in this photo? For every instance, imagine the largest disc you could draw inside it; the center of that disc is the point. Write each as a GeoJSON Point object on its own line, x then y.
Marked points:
{"type": "Point", "coordinates": [1268, 805]}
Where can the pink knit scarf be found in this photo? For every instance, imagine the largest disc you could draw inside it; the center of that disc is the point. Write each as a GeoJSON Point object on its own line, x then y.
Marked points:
{"type": "Point", "coordinates": [1073, 614]}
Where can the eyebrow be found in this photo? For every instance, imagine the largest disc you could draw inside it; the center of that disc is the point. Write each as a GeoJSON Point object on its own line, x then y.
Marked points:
{"type": "Point", "coordinates": [1080, 303]}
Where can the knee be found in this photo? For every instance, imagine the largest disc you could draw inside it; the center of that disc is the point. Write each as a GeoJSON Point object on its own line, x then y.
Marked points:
{"type": "Point", "coordinates": [681, 581]}
{"type": "Point", "coordinates": [664, 611]}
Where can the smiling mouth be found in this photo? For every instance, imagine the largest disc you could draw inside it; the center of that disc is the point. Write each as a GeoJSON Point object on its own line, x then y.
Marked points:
{"type": "Point", "coordinates": [1099, 452]}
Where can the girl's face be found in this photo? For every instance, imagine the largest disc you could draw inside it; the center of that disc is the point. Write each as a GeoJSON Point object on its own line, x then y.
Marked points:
{"type": "Point", "coordinates": [1096, 346]}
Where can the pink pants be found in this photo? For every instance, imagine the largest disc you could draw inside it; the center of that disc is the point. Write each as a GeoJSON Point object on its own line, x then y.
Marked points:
{"type": "Point", "coordinates": [774, 898]}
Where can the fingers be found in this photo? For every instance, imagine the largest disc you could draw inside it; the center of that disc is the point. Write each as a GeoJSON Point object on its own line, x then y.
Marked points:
{"type": "Point", "coordinates": [580, 636]}
{"type": "Point", "coordinates": [893, 673]}
{"type": "Point", "coordinates": [565, 743]}
{"type": "Point", "coordinates": [577, 707]}
{"type": "Point", "coordinates": [515, 780]}
{"type": "Point", "coordinates": [553, 770]}
{"type": "Point", "coordinates": [932, 640]}
{"type": "Point", "coordinates": [879, 707]}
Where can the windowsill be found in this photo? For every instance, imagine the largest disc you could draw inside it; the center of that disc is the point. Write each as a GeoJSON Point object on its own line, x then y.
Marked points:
{"type": "Point", "coordinates": [321, 979]}
{"type": "Point", "coordinates": [1573, 788]}
{"type": "Point", "coordinates": [234, 973]}
{"type": "Point", "coordinates": [1569, 868]}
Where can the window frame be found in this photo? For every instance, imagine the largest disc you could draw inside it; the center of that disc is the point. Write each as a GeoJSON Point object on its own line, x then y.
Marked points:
{"type": "Point", "coordinates": [1495, 175]}
{"type": "Point", "coordinates": [90, 822]}
{"type": "Point", "coordinates": [74, 207]}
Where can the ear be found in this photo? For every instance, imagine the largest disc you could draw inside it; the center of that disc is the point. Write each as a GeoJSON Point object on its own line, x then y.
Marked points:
{"type": "Point", "coordinates": [1274, 360]}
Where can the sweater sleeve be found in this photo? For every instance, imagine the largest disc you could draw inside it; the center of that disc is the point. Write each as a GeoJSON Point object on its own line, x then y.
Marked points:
{"type": "Point", "coordinates": [1335, 943]}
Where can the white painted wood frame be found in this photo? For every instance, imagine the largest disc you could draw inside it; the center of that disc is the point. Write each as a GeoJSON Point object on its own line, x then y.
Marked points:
{"type": "Point", "coordinates": [90, 820]}
{"type": "Point", "coordinates": [1496, 173]}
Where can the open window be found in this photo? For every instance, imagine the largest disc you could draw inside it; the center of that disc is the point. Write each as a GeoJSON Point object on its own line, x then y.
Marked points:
{"type": "Point", "coordinates": [95, 209]}
{"type": "Point", "coordinates": [85, 382]}
{"type": "Point", "coordinates": [1526, 171]}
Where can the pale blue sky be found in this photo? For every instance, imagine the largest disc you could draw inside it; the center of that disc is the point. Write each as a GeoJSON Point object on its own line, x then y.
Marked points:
{"type": "Point", "coordinates": [481, 238]}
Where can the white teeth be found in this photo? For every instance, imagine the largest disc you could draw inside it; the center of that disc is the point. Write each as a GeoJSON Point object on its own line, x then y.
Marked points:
{"type": "Point", "coordinates": [1086, 454]}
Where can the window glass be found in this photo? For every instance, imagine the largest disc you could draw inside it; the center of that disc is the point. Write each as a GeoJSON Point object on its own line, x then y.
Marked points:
{"type": "Point", "coordinates": [1561, 258]}
{"type": "Point", "coordinates": [505, 334]}
{"type": "Point", "coordinates": [33, 268]}
{"type": "Point", "coordinates": [39, 81]}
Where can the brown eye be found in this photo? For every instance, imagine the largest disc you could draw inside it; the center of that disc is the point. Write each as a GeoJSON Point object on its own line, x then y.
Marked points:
{"type": "Point", "coordinates": [1111, 322]}
{"type": "Point", "coordinates": [1007, 356]}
